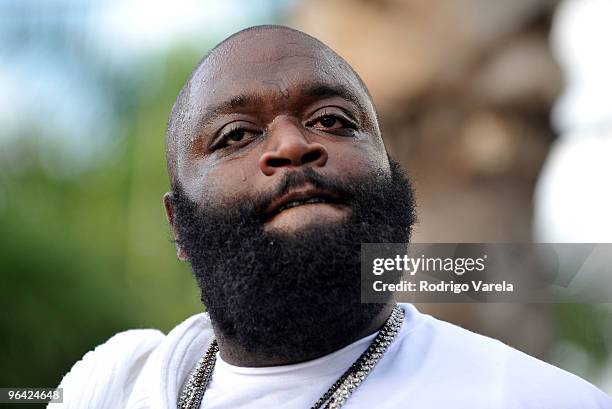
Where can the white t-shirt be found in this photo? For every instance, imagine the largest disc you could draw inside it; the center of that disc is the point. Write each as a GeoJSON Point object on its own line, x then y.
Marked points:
{"type": "Point", "coordinates": [431, 364]}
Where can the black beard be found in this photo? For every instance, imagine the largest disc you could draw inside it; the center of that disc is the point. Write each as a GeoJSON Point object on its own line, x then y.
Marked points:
{"type": "Point", "coordinates": [291, 296]}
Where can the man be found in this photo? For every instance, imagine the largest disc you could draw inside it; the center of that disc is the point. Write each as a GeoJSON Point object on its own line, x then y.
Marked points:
{"type": "Point", "coordinates": [278, 174]}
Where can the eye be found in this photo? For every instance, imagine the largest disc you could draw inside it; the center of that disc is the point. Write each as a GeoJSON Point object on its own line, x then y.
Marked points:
{"type": "Point", "coordinates": [332, 122]}
{"type": "Point", "coordinates": [328, 122]}
{"type": "Point", "coordinates": [236, 134]}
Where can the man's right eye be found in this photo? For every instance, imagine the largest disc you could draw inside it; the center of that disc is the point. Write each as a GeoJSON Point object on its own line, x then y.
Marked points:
{"type": "Point", "coordinates": [236, 136]}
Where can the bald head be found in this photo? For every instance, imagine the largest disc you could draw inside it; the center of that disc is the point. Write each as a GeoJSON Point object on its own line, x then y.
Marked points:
{"type": "Point", "coordinates": [247, 68]}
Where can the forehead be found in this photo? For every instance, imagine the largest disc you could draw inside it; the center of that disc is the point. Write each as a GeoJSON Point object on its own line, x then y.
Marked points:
{"type": "Point", "coordinates": [274, 64]}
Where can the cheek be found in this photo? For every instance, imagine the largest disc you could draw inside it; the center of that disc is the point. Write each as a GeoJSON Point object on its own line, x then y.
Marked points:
{"type": "Point", "coordinates": [358, 159]}
{"type": "Point", "coordinates": [236, 179]}
{"type": "Point", "coordinates": [206, 180]}
{"type": "Point", "coordinates": [199, 181]}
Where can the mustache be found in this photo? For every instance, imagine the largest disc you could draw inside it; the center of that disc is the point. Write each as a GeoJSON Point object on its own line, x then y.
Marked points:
{"type": "Point", "coordinates": [344, 190]}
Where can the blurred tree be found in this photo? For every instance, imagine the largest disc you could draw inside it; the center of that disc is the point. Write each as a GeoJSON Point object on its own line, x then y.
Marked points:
{"type": "Point", "coordinates": [85, 257]}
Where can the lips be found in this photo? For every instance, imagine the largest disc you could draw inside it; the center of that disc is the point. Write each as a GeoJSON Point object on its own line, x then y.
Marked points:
{"type": "Point", "coordinates": [301, 197]}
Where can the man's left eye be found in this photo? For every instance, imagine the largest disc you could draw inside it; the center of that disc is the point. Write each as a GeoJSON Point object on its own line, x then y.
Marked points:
{"type": "Point", "coordinates": [330, 122]}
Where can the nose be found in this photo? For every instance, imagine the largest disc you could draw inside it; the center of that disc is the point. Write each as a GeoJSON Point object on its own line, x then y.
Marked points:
{"type": "Point", "coordinates": [288, 148]}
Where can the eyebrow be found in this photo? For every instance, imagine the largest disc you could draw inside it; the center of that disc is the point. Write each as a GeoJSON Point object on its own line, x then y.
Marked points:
{"type": "Point", "coordinates": [322, 90]}
{"type": "Point", "coordinates": [314, 90]}
{"type": "Point", "coordinates": [228, 107]}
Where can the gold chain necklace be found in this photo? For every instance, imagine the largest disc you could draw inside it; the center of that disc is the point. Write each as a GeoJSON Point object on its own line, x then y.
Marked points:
{"type": "Point", "coordinates": [193, 390]}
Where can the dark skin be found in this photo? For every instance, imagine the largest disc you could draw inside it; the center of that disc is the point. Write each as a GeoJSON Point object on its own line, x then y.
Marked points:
{"type": "Point", "coordinates": [265, 102]}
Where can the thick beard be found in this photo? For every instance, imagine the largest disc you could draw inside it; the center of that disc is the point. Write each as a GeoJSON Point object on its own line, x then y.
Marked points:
{"type": "Point", "coordinates": [291, 296]}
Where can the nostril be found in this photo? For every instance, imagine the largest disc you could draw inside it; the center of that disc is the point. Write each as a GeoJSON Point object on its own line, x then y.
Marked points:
{"type": "Point", "coordinates": [311, 156]}
{"type": "Point", "coordinates": [278, 162]}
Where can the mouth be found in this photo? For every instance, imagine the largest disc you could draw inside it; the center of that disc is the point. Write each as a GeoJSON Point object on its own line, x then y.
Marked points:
{"type": "Point", "coordinates": [302, 197]}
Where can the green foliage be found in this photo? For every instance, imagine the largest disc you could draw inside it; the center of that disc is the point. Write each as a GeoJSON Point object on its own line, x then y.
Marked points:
{"type": "Point", "coordinates": [586, 327]}
{"type": "Point", "coordinates": [85, 257]}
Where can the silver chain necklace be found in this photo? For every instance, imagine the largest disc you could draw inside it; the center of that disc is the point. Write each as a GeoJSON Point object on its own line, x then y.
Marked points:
{"type": "Point", "coordinates": [193, 390]}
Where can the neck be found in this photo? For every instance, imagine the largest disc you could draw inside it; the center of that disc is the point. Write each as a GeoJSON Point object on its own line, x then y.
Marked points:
{"type": "Point", "coordinates": [235, 354]}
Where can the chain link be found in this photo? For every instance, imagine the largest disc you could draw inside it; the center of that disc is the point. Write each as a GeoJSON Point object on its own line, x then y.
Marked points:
{"type": "Point", "coordinates": [193, 390]}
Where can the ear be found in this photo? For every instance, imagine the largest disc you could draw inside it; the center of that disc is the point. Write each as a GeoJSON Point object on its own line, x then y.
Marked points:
{"type": "Point", "coordinates": [180, 252]}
